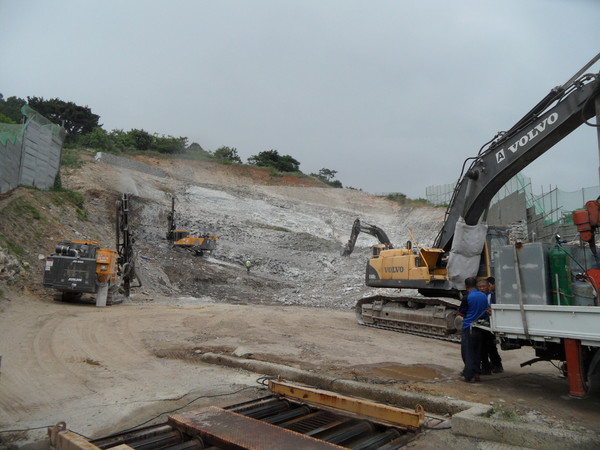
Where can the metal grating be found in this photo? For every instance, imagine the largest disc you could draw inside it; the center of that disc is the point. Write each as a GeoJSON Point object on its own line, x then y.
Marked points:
{"type": "Point", "coordinates": [283, 424]}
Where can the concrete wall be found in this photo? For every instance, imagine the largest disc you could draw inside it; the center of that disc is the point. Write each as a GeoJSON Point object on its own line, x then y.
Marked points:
{"type": "Point", "coordinates": [41, 156]}
{"type": "Point", "coordinates": [10, 162]}
{"type": "Point", "coordinates": [510, 209]}
{"type": "Point", "coordinates": [526, 224]}
{"type": "Point", "coordinates": [32, 161]}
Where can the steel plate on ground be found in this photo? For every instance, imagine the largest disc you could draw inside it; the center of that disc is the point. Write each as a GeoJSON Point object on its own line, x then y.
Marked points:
{"type": "Point", "coordinates": [227, 429]}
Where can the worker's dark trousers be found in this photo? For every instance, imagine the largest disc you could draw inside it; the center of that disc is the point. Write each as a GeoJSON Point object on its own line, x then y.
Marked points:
{"type": "Point", "coordinates": [470, 346]}
{"type": "Point", "coordinates": [490, 359]}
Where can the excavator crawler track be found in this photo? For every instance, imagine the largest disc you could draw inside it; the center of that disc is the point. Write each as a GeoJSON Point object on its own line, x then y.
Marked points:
{"type": "Point", "coordinates": [421, 316]}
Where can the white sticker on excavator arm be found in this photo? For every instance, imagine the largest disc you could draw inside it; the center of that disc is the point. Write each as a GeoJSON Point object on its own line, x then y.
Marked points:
{"type": "Point", "coordinates": [500, 156]}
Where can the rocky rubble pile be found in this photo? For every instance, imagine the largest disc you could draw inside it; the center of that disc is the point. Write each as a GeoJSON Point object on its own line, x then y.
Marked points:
{"type": "Point", "coordinates": [11, 268]}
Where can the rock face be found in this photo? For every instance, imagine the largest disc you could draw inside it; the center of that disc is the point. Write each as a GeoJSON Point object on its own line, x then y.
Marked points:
{"type": "Point", "coordinates": [11, 267]}
{"type": "Point", "coordinates": [293, 234]}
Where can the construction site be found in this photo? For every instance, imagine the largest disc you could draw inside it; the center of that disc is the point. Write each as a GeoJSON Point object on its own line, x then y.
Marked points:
{"type": "Point", "coordinates": [185, 305]}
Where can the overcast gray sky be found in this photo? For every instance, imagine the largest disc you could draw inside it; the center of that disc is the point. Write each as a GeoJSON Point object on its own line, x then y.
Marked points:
{"type": "Point", "coordinates": [394, 95]}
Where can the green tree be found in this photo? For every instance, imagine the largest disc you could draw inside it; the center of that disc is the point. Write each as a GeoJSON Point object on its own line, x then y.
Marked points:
{"type": "Point", "coordinates": [169, 144]}
{"type": "Point", "coordinates": [197, 152]}
{"type": "Point", "coordinates": [11, 108]}
{"type": "Point", "coordinates": [195, 147]}
{"type": "Point", "coordinates": [328, 176]}
{"type": "Point", "coordinates": [120, 140]}
{"type": "Point", "coordinates": [142, 140]}
{"type": "Point", "coordinates": [271, 158]}
{"type": "Point", "coordinates": [76, 120]}
{"type": "Point", "coordinates": [288, 164]}
{"type": "Point", "coordinates": [6, 119]}
{"type": "Point", "coordinates": [97, 139]}
{"type": "Point", "coordinates": [228, 154]}
{"type": "Point", "coordinates": [397, 197]}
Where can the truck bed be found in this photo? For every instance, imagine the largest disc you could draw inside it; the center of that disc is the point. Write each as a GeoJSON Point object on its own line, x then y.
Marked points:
{"type": "Point", "coordinates": [548, 322]}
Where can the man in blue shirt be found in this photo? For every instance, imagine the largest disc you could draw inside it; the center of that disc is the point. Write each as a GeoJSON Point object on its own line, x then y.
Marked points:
{"type": "Point", "coordinates": [474, 308]}
{"type": "Point", "coordinates": [491, 362]}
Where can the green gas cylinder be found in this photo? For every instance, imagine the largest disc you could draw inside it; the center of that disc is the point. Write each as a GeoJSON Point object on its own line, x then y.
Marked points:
{"type": "Point", "coordinates": [560, 277]}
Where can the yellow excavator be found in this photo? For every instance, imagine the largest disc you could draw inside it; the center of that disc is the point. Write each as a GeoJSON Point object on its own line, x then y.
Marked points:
{"type": "Point", "coordinates": [433, 312]}
{"type": "Point", "coordinates": [465, 246]}
{"type": "Point", "coordinates": [183, 239]}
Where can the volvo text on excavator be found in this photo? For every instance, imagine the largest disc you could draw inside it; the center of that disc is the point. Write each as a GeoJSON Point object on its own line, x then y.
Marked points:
{"type": "Point", "coordinates": [464, 246]}
{"type": "Point", "coordinates": [80, 267]}
{"type": "Point", "coordinates": [183, 238]}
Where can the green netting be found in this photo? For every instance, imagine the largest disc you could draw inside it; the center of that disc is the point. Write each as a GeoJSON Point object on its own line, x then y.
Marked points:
{"type": "Point", "coordinates": [39, 119]}
{"type": "Point", "coordinates": [440, 194]}
{"type": "Point", "coordinates": [555, 207]}
{"type": "Point", "coordinates": [11, 133]}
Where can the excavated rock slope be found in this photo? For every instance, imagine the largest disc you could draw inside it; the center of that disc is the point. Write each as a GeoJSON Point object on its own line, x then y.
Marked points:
{"type": "Point", "coordinates": [291, 230]}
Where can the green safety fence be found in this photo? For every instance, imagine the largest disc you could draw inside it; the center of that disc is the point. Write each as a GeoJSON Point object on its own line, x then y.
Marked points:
{"type": "Point", "coordinates": [34, 116]}
{"type": "Point", "coordinates": [13, 133]}
{"type": "Point", "coordinates": [554, 207]}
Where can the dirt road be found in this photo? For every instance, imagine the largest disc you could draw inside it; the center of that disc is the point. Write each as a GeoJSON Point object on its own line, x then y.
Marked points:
{"type": "Point", "coordinates": [97, 369]}
{"type": "Point", "coordinates": [107, 369]}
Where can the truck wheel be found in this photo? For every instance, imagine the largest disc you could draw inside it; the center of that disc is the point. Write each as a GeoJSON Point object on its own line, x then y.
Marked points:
{"type": "Point", "coordinates": [593, 373]}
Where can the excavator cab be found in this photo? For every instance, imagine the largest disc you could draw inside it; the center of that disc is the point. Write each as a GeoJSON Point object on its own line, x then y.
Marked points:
{"type": "Point", "coordinates": [397, 267]}
{"type": "Point", "coordinates": [425, 268]}
{"type": "Point", "coordinates": [377, 249]}
{"type": "Point", "coordinates": [177, 235]}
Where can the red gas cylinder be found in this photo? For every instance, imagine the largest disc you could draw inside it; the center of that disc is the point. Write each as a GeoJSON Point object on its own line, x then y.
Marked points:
{"type": "Point", "coordinates": [594, 278]}
{"type": "Point", "coordinates": [581, 218]}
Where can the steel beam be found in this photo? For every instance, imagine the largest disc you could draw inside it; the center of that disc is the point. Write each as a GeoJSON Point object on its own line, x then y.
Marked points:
{"type": "Point", "coordinates": [401, 417]}
{"type": "Point", "coordinates": [63, 439]}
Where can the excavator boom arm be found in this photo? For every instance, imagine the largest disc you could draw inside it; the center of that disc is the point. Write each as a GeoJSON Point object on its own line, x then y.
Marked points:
{"type": "Point", "coordinates": [373, 230]}
{"type": "Point", "coordinates": [556, 116]}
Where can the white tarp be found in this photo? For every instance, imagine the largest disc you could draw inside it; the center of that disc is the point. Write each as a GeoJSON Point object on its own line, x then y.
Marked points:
{"type": "Point", "coordinates": [465, 254]}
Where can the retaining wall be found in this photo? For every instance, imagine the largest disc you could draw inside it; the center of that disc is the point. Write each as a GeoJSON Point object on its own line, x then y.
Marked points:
{"type": "Point", "coordinates": [10, 163]}
{"type": "Point", "coordinates": [32, 158]}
